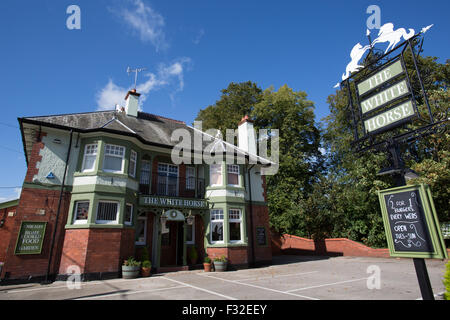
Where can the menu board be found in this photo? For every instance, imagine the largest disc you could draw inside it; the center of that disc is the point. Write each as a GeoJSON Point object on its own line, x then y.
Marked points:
{"type": "Point", "coordinates": [407, 222]}
{"type": "Point", "coordinates": [261, 238]}
{"type": "Point", "coordinates": [31, 237]}
{"type": "Point", "coordinates": [411, 223]}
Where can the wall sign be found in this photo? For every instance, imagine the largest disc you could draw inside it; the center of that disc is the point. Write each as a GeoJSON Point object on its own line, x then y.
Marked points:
{"type": "Point", "coordinates": [410, 222]}
{"type": "Point", "coordinates": [261, 238]}
{"type": "Point", "coordinates": [30, 238]}
{"type": "Point", "coordinates": [173, 202]}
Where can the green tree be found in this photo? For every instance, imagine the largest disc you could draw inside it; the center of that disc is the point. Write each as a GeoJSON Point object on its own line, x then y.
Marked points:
{"type": "Point", "coordinates": [236, 101]}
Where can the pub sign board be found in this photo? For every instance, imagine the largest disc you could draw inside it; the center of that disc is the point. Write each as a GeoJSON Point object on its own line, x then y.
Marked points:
{"type": "Point", "coordinates": [30, 238]}
{"type": "Point", "coordinates": [411, 223]}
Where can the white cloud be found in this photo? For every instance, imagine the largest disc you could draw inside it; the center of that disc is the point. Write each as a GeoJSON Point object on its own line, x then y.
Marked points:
{"type": "Point", "coordinates": [145, 22]}
{"type": "Point", "coordinates": [199, 36]}
{"type": "Point", "coordinates": [170, 76]}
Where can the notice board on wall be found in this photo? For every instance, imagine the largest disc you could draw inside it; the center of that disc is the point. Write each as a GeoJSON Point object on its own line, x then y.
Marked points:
{"type": "Point", "coordinates": [30, 238]}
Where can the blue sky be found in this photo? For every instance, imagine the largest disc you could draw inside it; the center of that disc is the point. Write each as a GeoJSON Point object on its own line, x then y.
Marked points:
{"type": "Point", "coordinates": [191, 49]}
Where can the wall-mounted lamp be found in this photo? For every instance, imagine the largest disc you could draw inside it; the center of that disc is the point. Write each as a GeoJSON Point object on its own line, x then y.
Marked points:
{"type": "Point", "coordinates": [190, 218]}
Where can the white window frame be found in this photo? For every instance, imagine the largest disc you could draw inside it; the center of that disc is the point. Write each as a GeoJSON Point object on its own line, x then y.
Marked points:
{"type": "Point", "coordinates": [234, 220]}
{"type": "Point", "coordinates": [142, 243]}
{"type": "Point", "coordinates": [107, 221]}
{"type": "Point", "coordinates": [193, 234]}
{"type": "Point", "coordinates": [91, 155]}
{"type": "Point", "coordinates": [129, 223]}
{"type": "Point", "coordinates": [233, 169]}
{"type": "Point", "coordinates": [134, 161]}
{"type": "Point", "coordinates": [190, 184]}
{"type": "Point", "coordinates": [217, 165]}
{"type": "Point", "coordinates": [114, 155]}
{"type": "Point", "coordinates": [75, 209]}
{"type": "Point", "coordinates": [211, 213]}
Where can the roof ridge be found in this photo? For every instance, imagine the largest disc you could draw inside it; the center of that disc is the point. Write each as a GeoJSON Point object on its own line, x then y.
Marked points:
{"type": "Point", "coordinates": [69, 114]}
{"type": "Point", "coordinates": [161, 117]}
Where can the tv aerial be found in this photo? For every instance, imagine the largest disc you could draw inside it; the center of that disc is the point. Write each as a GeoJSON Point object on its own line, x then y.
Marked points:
{"type": "Point", "coordinates": [136, 70]}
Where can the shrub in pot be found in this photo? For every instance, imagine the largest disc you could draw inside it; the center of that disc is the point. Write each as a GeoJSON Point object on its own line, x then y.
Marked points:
{"type": "Point", "coordinates": [220, 263]}
{"type": "Point", "coordinates": [193, 255]}
{"type": "Point", "coordinates": [130, 268]}
{"type": "Point", "coordinates": [146, 268]}
{"type": "Point", "coordinates": [207, 264]}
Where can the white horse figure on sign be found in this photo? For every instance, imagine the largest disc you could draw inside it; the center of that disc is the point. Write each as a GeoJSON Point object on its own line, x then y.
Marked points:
{"type": "Point", "coordinates": [388, 34]}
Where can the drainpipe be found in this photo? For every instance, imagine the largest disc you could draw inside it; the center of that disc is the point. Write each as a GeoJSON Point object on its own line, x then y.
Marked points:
{"type": "Point", "coordinates": [59, 209]}
{"type": "Point", "coordinates": [252, 247]}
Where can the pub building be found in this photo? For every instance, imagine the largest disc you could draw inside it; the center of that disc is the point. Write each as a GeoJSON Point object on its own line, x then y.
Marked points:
{"type": "Point", "coordinates": [101, 186]}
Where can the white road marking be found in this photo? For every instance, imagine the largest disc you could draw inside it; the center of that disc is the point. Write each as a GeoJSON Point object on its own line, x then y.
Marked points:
{"type": "Point", "coordinates": [327, 284]}
{"type": "Point", "coordinates": [201, 289]}
{"type": "Point", "coordinates": [128, 293]}
{"type": "Point", "coordinates": [259, 287]}
{"type": "Point", "coordinates": [83, 284]}
{"type": "Point", "coordinates": [277, 276]}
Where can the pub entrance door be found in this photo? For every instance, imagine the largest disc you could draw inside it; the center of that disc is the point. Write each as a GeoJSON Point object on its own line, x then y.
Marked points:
{"type": "Point", "coordinates": [172, 244]}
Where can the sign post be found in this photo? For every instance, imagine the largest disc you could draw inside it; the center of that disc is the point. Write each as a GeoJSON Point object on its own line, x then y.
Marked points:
{"type": "Point", "coordinates": [385, 106]}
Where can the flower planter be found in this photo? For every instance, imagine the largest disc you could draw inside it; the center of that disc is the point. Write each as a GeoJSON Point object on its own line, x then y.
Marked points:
{"type": "Point", "coordinates": [146, 272]}
{"type": "Point", "coordinates": [207, 267]}
{"type": "Point", "coordinates": [130, 272]}
{"type": "Point", "coordinates": [220, 266]}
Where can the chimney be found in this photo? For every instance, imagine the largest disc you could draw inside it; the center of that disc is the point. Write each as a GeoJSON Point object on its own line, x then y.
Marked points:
{"type": "Point", "coordinates": [246, 135]}
{"type": "Point", "coordinates": [132, 101]}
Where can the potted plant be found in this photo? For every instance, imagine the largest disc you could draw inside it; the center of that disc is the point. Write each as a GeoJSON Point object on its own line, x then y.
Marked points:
{"type": "Point", "coordinates": [146, 268]}
{"type": "Point", "coordinates": [193, 256]}
{"type": "Point", "coordinates": [220, 263]}
{"type": "Point", "coordinates": [207, 264]}
{"type": "Point", "coordinates": [130, 268]}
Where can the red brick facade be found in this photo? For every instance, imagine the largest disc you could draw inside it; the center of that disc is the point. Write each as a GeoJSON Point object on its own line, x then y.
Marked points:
{"type": "Point", "coordinates": [37, 205]}
{"type": "Point", "coordinates": [6, 229]}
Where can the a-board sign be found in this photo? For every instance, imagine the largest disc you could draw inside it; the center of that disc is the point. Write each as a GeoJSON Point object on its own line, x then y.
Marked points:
{"type": "Point", "coordinates": [261, 238]}
{"type": "Point", "coordinates": [410, 222]}
{"type": "Point", "coordinates": [30, 238]}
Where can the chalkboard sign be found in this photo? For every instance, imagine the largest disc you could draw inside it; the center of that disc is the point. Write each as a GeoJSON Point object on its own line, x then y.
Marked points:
{"type": "Point", "coordinates": [261, 238]}
{"type": "Point", "coordinates": [407, 222]}
{"type": "Point", "coordinates": [31, 237]}
{"type": "Point", "coordinates": [411, 223]}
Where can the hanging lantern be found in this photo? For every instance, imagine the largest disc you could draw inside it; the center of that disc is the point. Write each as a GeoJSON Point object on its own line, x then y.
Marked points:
{"type": "Point", "coordinates": [190, 219]}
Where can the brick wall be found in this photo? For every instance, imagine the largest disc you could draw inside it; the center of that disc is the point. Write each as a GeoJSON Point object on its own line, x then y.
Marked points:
{"type": "Point", "coordinates": [260, 219]}
{"type": "Point", "coordinates": [32, 201]}
{"type": "Point", "coordinates": [235, 255]}
{"type": "Point", "coordinates": [289, 244]}
{"type": "Point", "coordinates": [6, 229]}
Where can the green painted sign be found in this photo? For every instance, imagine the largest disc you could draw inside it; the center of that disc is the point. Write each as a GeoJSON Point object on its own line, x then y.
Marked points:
{"type": "Point", "coordinates": [411, 223]}
{"type": "Point", "coordinates": [392, 117]}
{"type": "Point", "coordinates": [173, 202]}
{"type": "Point", "coordinates": [31, 236]}
{"type": "Point", "coordinates": [382, 98]}
{"type": "Point", "coordinates": [382, 76]}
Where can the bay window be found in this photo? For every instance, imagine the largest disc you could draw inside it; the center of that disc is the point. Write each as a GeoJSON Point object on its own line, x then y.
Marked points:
{"type": "Point", "coordinates": [128, 218]}
{"type": "Point", "coordinates": [90, 155]}
{"type": "Point", "coordinates": [113, 160]}
{"type": "Point", "coordinates": [81, 210]}
{"type": "Point", "coordinates": [235, 223]}
{"type": "Point", "coordinates": [107, 212]}
{"type": "Point", "coordinates": [215, 174]}
{"type": "Point", "coordinates": [233, 174]}
{"type": "Point", "coordinates": [216, 225]}
{"type": "Point", "coordinates": [132, 164]}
